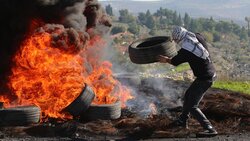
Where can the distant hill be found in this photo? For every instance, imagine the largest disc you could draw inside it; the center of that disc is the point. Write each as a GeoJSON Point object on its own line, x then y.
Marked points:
{"type": "Point", "coordinates": [235, 10]}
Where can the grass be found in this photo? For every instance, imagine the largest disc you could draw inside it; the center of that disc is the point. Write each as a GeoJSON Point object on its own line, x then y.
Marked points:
{"type": "Point", "coordinates": [237, 86]}
{"type": "Point", "coordinates": [182, 67]}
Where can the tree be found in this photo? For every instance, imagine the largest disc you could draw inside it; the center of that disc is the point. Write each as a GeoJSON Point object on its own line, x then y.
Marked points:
{"type": "Point", "coordinates": [216, 36]}
{"type": "Point", "coordinates": [118, 29]}
{"type": "Point", "coordinates": [209, 36]}
{"type": "Point", "coordinates": [209, 24]}
{"type": "Point", "coordinates": [179, 20]}
{"type": "Point", "coordinates": [150, 23]}
{"type": "Point", "coordinates": [187, 20]}
{"type": "Point", "coordinates": [153, 32]}
{"type": "Point", "coordinates": [134, 28]}
{"type": "Point", "coordinates": [148, 14]}
{"type": "Point", "coordinates": [169, 14]}
{"type": "Point", "coordinates": [195, 26]}
{"type": "Point", "coordinates": [160, 12]}
{"type": "Point", "coordinates": [248, 21]}
{"type": "Point", "coordinates": [142, 18]}
{"type": "Point", "coordinates": [109, 10]}
{"type": "Point", "coordinates": [224, 27]}
{"type": "Point", "coordinates": [236, 29]}
{"type": "Point", "coordinates": [175, 18]}
{"type": "Point", "coordinates": [125, 17]}
{"type": "Point", "coordinates": [243, 34]}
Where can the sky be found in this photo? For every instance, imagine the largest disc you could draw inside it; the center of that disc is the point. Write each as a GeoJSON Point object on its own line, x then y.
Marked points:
{"type": "Point", "coordinates": [131, 0]}
{"type": "Point", "coordinates": [235, 10]}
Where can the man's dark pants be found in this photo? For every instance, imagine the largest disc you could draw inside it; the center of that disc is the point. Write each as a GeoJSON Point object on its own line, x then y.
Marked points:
{"type": "Point", "coordinates": [192, 98]}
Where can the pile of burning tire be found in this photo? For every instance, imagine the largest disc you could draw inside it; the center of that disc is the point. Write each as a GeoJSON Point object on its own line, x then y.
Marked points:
{"type": "Point", "coordinates": [81, 107]}
{"type": "Point", "coordinates": [142, 51]}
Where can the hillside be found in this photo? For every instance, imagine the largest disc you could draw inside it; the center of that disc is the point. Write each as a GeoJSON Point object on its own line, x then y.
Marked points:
{"type": "Point", "coordinates": [230, 56]}
{"type": "Point", "coordinates": [219, 9]}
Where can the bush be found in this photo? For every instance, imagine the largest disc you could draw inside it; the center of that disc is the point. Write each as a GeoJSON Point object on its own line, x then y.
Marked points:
{"type": "Point", "coordinates": [134, 28]}
{"type": "Point", "coordinates": [118, 29]}
{"type": "Point", "coordinates": [216, 37]}
{"type": "Point", "coordinates": [209, 36]}
{"type": "Point", "coordinates": [153, 32]}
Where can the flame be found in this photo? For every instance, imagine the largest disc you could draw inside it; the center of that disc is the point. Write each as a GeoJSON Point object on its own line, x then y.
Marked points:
{"type": "Point", "coordinates": [34, 24]}
{"type": "Point", "coordinates": [108, 90]}
{"type": "Point", "coordinates": [45, 77]}
{"type": "Point", "coordinates": [51, 78]}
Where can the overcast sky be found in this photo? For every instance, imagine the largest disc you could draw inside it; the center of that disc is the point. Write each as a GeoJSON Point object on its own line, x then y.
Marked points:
{"type": "Point", "coordinates": [131, 0]}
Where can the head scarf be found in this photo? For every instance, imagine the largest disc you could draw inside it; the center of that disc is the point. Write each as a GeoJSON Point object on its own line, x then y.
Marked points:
{"type": "Point", "coordinates": [179, 33]}
{"type": "Point", "coordinates": [189, 42]}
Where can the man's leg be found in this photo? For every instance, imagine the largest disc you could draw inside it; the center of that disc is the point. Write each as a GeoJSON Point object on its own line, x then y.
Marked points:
{"type": "Point", "coordinates": [182, 120]}
{"type": "Point", "coordinates": [194, 95]}
{"type": "Point", "coordinates": [192, 98]}
{"type": "Point", "coordinates": [185, 110]}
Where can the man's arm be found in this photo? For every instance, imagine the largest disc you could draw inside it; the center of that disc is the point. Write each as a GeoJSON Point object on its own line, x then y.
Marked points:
{"type": "Point", "coordinates": [163, 59]}
{"type": "Point", "coordinates": [180, 58]}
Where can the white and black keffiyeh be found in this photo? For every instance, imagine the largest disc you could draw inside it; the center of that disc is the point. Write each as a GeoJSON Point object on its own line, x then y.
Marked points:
{"type": "Point", "coordinates": [190, 42]}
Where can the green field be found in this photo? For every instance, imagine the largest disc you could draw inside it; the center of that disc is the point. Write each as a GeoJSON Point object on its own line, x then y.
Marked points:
{"type": "Point", "coordinates": [182, 67]}
{"type": "Point", "coordinates": [238, 86]}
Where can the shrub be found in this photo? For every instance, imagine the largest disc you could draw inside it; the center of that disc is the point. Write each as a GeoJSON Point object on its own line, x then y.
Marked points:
{"type": "Point", "coordinates": [118, 29]}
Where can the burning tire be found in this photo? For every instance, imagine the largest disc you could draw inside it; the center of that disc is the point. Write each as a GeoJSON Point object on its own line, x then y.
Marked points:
{"type": "Point", "coordinates": [22, 115]}
{"type": "Point", "coordinates": [82, 102]}
{"type": "Point", "coordinates": [104, 111]}
{"type": "Point", "coordinates": [145, 51]}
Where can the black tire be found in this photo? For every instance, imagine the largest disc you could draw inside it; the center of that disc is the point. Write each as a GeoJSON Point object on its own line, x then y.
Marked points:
{"type": "Point", "coordinates": [81, 103]}
{"type": "Point", "coordinates": [103, 112]}
{"type": "Point", "coordinates": [145, 51]}
{"type": "Point", "coordinates": [20, 116]}
{"type": "Point", "coordinates": [1, 105]}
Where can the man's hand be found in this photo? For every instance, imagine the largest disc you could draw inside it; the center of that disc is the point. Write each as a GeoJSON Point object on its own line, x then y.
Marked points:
{"type": "Point", "coordinates": [163, 59]}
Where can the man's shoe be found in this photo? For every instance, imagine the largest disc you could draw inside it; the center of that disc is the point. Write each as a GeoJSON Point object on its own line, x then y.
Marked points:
{"type": "Point", "coordinates": [209, 132]}
{"type": "Point", "coordinates": [179, 123]}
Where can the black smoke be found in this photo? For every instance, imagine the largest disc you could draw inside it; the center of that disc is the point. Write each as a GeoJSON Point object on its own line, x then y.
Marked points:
{"type": "Point", "coordinates": [16, 17]}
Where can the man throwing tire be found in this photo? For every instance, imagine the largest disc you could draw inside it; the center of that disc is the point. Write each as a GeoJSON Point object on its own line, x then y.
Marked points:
{"type": "Point", "coordinates": [194, 52]}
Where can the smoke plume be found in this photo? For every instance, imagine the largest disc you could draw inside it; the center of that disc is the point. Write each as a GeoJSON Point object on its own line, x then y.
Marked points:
{"type": "Point", "coordinates": [18, 18]}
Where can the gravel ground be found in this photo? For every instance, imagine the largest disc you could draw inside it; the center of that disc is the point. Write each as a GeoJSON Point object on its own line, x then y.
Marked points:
{"type": "Point", "coordinates": [236, 137]}
{"type": "Point", "coordinates": [228, 111]}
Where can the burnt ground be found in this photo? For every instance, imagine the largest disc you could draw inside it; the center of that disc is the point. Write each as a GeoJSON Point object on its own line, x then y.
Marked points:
{"type": "Point", "coordinates": [228, 111]}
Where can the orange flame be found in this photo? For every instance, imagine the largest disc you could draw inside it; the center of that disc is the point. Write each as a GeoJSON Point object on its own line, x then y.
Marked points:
{"type": "Point", "coordinates": [108, 90]}
{"type": "Point", "coordinates": [34, 24]}
{"type": "Point", "coordinates": [46, 76]}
